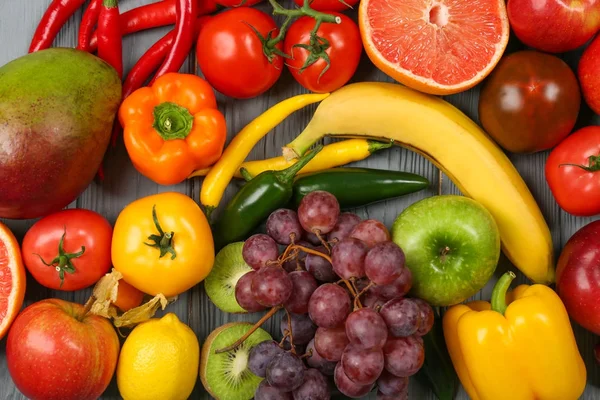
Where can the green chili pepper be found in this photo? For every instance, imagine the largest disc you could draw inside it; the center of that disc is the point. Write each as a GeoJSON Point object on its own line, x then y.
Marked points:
{"type": "Point", "coordinates": [253, 203]}
{"type": "Point", "coordinates": [356, 187]}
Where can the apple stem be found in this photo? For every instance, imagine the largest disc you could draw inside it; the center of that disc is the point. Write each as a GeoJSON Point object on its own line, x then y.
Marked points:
{"type": "Point", "coordinates": [499, 293]}
{"type": "Point", "coordinates": [257, 325]}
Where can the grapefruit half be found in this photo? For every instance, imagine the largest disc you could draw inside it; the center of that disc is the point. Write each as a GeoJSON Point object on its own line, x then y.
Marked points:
{"type": "Point", "coordinates": [12, 279]}
{"type": "Point", "coordinates": [435, 46]}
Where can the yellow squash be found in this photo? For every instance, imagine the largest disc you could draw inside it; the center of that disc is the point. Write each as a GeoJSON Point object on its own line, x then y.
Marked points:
{"type": "Point", "coordinates": [332, 155]}
{"type": "Point", "coordinates": [220, 174]}
{"type": "Point", "coordinates": [453, 142]}
{"type": "Point", "coordinates": [526, 351]}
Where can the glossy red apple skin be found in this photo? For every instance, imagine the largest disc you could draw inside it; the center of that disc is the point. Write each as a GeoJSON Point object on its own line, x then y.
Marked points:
{"type": "Point", "coordinates": [578, 277]}
{"type": "Point", "coordinates": [588, 72]}
{"type": "Point", "coordinates": [55, 353]}
{"type": "Point", "coordinates": [554, 26]}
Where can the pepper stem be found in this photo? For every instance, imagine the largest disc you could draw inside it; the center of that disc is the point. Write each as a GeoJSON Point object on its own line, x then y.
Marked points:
{"type": "Point", "coordinates": [499, 292]}
{"type": "Point", "coordinates": [164, 240]}
{"type": "Point", "coordinates": [171, 121]}
{"type": "Point", "coordinates": [288, 174]}
{"type": "Point", "coordinates": [375, 145]}
{"type": "Point", "coordinates": [110, 3]}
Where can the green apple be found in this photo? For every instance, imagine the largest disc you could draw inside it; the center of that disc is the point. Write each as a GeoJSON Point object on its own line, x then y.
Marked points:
{"type": "Point", "coordinates": [452, 247]}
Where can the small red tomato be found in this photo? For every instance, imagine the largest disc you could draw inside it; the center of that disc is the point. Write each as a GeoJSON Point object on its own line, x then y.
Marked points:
{"type": "Point", "coordinates": [68, 250]}
{"type": "Point", "coordinates": [329, 5]}
{"type": "Point", "coordinates": [237, 3]}
{"type": "Point", "coordinates": [573, 172]}
{"type": "Point", "coordinates": [334, 55]}
{"type": "Point", "coordinates": [231, 54]}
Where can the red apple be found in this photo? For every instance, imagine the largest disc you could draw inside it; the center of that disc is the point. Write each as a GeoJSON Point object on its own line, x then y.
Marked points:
{"type": "Point", "coordinates": [578, 277]}
{"type": "Point", "coordinates": [57, 352]}
{"type": "Point", "coordinates": [589, 75]}
{"type": "Point", "coordinates": [554, 26]}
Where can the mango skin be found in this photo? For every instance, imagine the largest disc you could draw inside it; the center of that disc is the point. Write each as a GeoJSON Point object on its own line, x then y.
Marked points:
{"type": "Point", "coordinates": [57, 108]}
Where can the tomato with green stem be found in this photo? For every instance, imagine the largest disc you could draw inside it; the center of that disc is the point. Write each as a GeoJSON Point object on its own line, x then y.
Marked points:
{"type": "Point", "coordinates": [68, 250]}
{"type": "Point", "coordinates": [323, 56]}
{"type": "Point", "coordinates": [330, 5]}
{"type": "Point", "coordinates": [573, 172]}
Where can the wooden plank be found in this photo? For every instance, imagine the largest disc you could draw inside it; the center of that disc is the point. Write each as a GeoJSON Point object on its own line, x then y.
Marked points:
{"type": "Point", "coordinates": [123, 184]}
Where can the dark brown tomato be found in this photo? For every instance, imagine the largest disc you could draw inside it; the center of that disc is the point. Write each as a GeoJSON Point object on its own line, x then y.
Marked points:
{"type": "Point", "coordinates": [530, 102]}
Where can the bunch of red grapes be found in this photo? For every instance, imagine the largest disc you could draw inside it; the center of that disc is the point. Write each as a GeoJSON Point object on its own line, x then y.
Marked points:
{"type": "Point", "coordinates": [343, 283]}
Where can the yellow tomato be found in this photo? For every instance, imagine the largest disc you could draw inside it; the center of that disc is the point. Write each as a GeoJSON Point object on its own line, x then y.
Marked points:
{"type": "Point", "coordinates": [163, 244]}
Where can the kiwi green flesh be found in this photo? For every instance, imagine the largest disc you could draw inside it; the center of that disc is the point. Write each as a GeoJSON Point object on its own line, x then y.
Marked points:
{"type": "Point", "coordinates": [228, 268]}
{"type": "Point", "coordinates": [227, 374]}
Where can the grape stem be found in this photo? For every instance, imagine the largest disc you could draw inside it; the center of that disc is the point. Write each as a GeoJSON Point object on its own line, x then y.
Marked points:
{"type": "Point", "coordinates": [289, 330]}
{"type": "Point", "coordinates": [257, 325]}
{"type": "Point", "coordinates": [286, 334]}
{"type": "Point", "coordinates": [323, 241]}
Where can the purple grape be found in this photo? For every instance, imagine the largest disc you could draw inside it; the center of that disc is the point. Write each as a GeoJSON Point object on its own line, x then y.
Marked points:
{"type": "Point", "coordinates": [329, 306]}
{"type": "Point", "coordinates": [244, 295]}
{"type": "Point", "coordinates": [372, 301]}
{"type": "Point", "coordinates": [346, 386]}
{"type": "Point", "coordinates": [283, 226]}
{"type": "Point", "coordinates": [315, 387]}
{"type": "Point", "coordinates": [271, 286]}
{"type": "Point", "coordinates": [304, 286]}
{"type": "Point", "coordinates": [391, 385]}
{"type": "Point", "coordinates": [297, 263]}
{"type": "Point", "coordinates": [427, 317]}
{"type": "Point", "coordinates": [345, 223]}
{"type": "Point", "coordinates": [348, 258]}
{"type": "Point", "coordinates": [362, 366]}
{"type": "Point", "coordinates": [312, 238]}
{"type": "Point", "coordinates": [303, 329]}
{"type": "Point", "coordinates": [268, 392]}
{"type": "Point", "coordinates": [366, 329]}
{"type": "Point", "coordinates": [371, 232]}
{"type": "Point", "coordinates": [261, 355]}
{"type": "Point", "coordinates": [403, 356]}
{"type": "Point", "coordinates": [285, 372]}
{"type": "Point", "coordinates": [315, 360]}
{"type": "Point", "coordinates": [399, 288]}
{"type": "Point", "coordinates": [318, 212]}
{"type": "Point", "coordinates": [402, 316]}
{"type": "Point", "coordinates": [331, 342]}
{"type": "Point", "coordinates": [319, 267]}
{"type": "Point", "coordinates": [259, 250]}
{"type": "Point", "coordinates": [384, 263]}
{"type": "Point", "coordinates": [381, 396]}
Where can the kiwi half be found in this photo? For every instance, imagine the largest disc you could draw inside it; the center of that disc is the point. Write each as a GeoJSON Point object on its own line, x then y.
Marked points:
{"type": "Point", "coordinates": [228, 268]}
{"type": "Point", "coordinates": [226, 376]}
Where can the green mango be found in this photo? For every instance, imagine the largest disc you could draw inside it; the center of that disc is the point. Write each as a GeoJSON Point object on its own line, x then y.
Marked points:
{"type": "Point", "coordinates": [57, 108]}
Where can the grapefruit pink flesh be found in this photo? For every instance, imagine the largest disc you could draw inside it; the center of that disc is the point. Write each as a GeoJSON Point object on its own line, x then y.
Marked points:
{"type": "Point", "coordinates": [12, 279]}
{"type": "Point", "coordinates": [442, 43]}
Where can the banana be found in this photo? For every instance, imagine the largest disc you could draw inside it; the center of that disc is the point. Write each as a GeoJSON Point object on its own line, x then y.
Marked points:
{"type": "Point", "coordinates": [440, 132]}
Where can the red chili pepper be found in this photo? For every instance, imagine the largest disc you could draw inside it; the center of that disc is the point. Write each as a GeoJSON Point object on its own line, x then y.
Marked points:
{"type": "Point", "coordinates": [110, 42]}
{"type": "Point", "coordinates": [55, 17]}
{"type": "Point", "coordinates": [184, 38]}
{"type": "Point", "coordinates": [88, 22]}
{"type": "Point", "coordinates": [154, 15]}
{"type": "Point", "coordinates": [149, 62]}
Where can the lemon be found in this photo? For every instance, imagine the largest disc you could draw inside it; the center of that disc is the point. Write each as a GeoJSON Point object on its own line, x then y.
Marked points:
{"type": "Point", "coordinates": [159, 361]}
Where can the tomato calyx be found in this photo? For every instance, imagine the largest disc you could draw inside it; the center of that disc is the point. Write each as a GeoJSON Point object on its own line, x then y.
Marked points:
{"type": "Point", "coordinates": [594, 164]}
{"type": "Point", "coordinates": [163, 241]}
{"type": "Point", "coordinates": [62, 262]}
{"type": "Point", "coordinates": [317, 50]}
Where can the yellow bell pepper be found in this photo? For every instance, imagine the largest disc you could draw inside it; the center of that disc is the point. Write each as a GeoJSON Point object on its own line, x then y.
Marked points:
{"type": "Point", "coordinates": [523, 351]}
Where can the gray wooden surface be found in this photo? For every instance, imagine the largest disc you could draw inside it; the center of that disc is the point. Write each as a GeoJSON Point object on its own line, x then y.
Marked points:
{"type": "Point", "coordinates": [18, 20]}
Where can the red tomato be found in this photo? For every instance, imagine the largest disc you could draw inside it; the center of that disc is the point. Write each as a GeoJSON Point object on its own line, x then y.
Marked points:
{"type": "Point", "coordinates": [237, 3]}
{"type": "Point", "coordinates": [81, 260]}
{"type": "Point", "coordinates": [230, 53]}
{"type": "Point", "coordinates": [342, 45]}
{"type": "Point", "coordinates": [573, 172]}
{"type": "Point", "coordinates": [329, 5]}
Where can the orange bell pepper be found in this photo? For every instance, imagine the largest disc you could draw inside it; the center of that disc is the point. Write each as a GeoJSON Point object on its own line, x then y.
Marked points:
{"type": "Point", "coordinates": [173, 128]}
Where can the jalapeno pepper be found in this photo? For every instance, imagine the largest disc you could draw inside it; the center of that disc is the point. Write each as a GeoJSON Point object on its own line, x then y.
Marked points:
{"type": "Point", "coordinates": [356, 187]}
{"type": "Point", "coordinates": [254, 202]}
